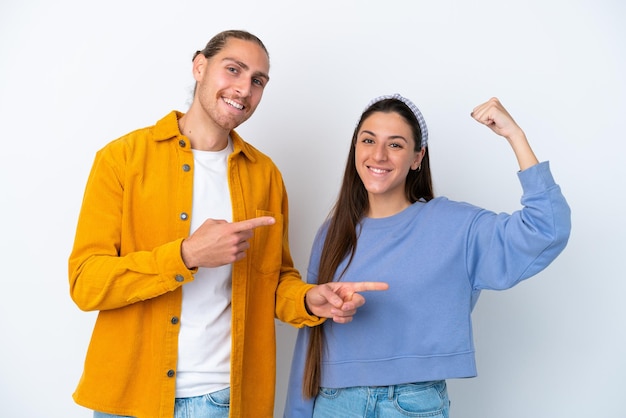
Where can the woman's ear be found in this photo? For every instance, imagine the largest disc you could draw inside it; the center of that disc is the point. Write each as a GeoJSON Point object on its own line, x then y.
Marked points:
{"type": "Point", "coordinates": [418, 159]}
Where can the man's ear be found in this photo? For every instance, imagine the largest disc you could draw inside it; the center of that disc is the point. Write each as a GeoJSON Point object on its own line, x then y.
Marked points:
{"type": "Point", "coordinates": [199, 64]}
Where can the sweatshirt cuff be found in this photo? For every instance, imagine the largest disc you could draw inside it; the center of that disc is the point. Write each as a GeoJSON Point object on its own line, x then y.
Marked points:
{"type": "Point", "coordinates": [537, 178]}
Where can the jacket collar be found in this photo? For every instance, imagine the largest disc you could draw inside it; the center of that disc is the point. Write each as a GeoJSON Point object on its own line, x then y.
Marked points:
{"type": "Point", "coordinates": [167, 129]}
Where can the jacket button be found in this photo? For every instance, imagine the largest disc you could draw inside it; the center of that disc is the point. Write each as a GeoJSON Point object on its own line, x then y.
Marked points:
{"type": "Point", "coordinates": [174, 320]}
{"type": "Point", "coordinates": [184, 216]}
{"type": "Point", "coordinates": [170, 373]}
{"type": "Point", "coordinates": [179, 278]}
{"type": "Point", "coordinates": [182, 143]}
{"type": "Point", "coordinates": [186, 167]}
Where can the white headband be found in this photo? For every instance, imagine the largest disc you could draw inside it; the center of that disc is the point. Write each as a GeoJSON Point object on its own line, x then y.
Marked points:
{"type": "Point", "coordinates": [414, 109]}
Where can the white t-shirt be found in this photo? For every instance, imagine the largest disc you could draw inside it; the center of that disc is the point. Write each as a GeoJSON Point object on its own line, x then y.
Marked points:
{"type": "Point", "coordinates": [204, 341]}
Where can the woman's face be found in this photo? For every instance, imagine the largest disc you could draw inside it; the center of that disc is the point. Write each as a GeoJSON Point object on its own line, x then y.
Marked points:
{"type": "Point", "coordinates": [384, 154]}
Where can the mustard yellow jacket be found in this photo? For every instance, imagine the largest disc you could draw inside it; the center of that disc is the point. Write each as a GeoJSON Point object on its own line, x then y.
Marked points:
{"type": "Point", "coordinates": [126, 264]}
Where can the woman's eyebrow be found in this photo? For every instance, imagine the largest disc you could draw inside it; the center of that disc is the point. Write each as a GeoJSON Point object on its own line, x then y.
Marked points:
{"type": "Point", "coordinates": [389, 137]}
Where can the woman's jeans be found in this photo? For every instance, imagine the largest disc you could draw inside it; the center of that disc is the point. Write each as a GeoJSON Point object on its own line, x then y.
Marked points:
{"type": "Point", "coordinates": [213, 405]}
{"type": "Point", "coordinates": [424, 399]}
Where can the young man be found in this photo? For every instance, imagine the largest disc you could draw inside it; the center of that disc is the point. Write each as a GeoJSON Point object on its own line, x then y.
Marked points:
{"type": "Point", "coordinates": [182, 247]}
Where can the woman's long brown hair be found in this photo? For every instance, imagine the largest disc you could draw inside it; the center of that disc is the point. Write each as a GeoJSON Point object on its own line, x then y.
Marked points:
{"type": "Point", "coordinates": [341, 238]}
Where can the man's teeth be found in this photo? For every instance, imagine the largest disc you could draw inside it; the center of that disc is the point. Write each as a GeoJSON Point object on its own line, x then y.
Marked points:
{"type": "Point", "coordinates": [234, 104]}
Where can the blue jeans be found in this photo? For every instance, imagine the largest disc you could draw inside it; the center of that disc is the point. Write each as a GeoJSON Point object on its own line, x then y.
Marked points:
{"type": "Point", "coordinates": [425, 399]}
{"type": "Point", "coordinates": [213, 405]}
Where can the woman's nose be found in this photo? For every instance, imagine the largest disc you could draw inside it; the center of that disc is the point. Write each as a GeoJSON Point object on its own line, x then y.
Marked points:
{"type": "Point", "coordinates": [380, 152]}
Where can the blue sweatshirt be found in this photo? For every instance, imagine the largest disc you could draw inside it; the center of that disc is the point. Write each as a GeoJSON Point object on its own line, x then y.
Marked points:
{"type": "Point", "coordinates": [436, 256]}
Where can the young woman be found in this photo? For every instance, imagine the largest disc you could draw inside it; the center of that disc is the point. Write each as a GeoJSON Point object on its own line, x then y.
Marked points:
{"type": "Point", "coordinates": [393, 359]}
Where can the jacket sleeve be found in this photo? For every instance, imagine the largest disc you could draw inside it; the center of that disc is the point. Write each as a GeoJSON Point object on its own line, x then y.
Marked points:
{"type": "Point", "coordinates": [290, 304]}
{"type": "Point", "coordinates": [105, 272]}
{"type": "Point", "coordinates": [505, 249]}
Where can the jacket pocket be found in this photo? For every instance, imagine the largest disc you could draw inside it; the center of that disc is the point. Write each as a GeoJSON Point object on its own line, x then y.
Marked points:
{"type": "Point", "coordinates": [267, 244]}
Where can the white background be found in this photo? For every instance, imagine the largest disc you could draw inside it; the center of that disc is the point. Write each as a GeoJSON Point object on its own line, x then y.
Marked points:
{"type": "Point", "coordinates": [76, 74]}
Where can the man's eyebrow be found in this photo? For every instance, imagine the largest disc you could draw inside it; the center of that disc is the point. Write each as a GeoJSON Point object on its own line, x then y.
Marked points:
{"type": "Point", "coordinates": [246, 67]}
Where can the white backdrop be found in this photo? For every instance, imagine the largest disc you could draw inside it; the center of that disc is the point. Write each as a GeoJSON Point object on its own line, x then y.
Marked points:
{"type": "Point", "coordinates": [76, 74]}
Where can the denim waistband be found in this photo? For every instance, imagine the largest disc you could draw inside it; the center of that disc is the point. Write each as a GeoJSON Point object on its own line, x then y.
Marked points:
{"type": "Point", "coordinates": [406, 387]}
